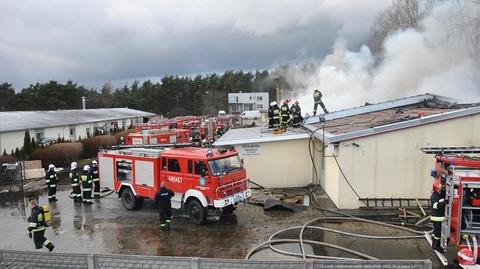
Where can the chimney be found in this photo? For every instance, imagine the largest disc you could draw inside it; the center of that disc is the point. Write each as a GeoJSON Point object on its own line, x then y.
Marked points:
{"type": "Point", "coordinates": [84, 102]}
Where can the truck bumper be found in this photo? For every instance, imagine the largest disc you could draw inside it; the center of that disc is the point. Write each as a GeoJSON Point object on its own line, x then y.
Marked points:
{"type": "Point", "coordinates": [234, 199]}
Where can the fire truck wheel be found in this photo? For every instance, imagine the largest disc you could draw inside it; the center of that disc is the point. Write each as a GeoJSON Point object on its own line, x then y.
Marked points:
{"type": "Point", "coordinates": [196, 211]}
{"type": "Point", "coordinates": [129, 201]}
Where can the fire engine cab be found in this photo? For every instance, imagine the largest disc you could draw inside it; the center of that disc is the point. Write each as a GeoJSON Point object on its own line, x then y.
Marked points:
{"type": "Point", "coordinates": [206, 182]}
{"type": "Point", "coordinates": [458, 170]}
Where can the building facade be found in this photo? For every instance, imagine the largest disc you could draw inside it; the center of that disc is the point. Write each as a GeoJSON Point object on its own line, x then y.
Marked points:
{"type": "Point", "coordinates": [67, 124]}
{"type": "Point", "coordinates": [239, 102]}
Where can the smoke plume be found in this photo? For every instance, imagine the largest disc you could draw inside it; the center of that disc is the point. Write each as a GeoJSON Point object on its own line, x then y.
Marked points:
{"type": "Point", "coordinates": [442, 58]}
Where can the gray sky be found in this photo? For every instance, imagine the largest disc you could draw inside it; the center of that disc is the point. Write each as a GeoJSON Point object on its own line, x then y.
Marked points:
{"type": "Point", "coordinates": [93, 42]}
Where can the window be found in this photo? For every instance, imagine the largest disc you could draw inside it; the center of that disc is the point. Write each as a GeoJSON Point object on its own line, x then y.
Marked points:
{"type": "Point", "coordinates": [259, 106]}
{"type": "Point", "coordinates": [87, 130]}
{"type": "Point", "coordinates": [200, 168]}
{"type": "Point", "coordinates": [225, 165]}
{"type": "Point", "coordinates": [259, 98]}
{"type": "Point", "coordinates": [190, 166]}
{"type": "Point", "coordinates": [124, 170]}
{"type": "Point", "coordinates": [72, 133]}
{"type": "Point", "coordinates": [173, 165]}
{"type": "Point", "coordinates": [39, 135]}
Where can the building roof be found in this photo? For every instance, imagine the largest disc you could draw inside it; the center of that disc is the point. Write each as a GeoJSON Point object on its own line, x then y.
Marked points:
{"type": "Point", "coordinates": [388, 116]}
{"type": "Point", "coordinates": [258, 135]}
{"type": "Point", "coordinates": [22, 120]}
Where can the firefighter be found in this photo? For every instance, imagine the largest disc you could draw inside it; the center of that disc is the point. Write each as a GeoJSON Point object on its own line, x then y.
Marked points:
{"type": "Point", "coordinates": [163, 198]}
{"type": "Point", "coordinates": [285, 114]}
{"type": "Point", "coordinates": [270, 115]}
{"type": "Point", "coordinates": [75, 183]}
{"type": "Point", "coordinates": [317, 100]}
{"type": "Point", "coordinates": [276, 115]}
{"type": "Point", "coordinates": [122, 141]}
{"type": "Point", "coordinates": [296, 114]}
{"type": "Point", "coordinates": [51, 181]}
{"type": "Point", "coordinates": [438, 214]}
{"type": "Point", "coordinates": [37, 226]}
{"type": "Point", "coordinates": [95, 179]}
{"type": "Point", "coordinates": [87, 185]}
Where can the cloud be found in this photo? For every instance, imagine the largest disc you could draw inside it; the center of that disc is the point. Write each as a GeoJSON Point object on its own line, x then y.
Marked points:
{"type": "Point", "coordinates": [95, 41]}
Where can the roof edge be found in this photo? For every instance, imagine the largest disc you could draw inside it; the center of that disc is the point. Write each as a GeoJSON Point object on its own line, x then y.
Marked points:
{"type": "Point", "coordinates": [262, 140]}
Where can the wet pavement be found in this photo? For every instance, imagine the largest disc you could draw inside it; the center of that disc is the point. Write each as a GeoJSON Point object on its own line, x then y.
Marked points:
{"type": "Point", "coordinates": [107, 228]}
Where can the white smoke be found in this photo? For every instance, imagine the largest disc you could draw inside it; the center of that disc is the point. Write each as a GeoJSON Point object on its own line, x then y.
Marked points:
{"type": "Point", "coordinates": [440, 59]}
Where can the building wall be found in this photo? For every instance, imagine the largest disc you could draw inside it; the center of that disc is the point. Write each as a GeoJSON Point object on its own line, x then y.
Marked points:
{"type": "Point", "coordinates": [391, 165]}
{"type": "Point", "coordinates": [282, 164]}
{"type": "Point", "coordinates": [239, 102]}
{"type": "Point", "coordinates": [11, 140]}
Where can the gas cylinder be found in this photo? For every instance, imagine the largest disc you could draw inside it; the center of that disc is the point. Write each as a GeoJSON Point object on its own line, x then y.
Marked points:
{"type": "Point", "coordinates": [46, 213]}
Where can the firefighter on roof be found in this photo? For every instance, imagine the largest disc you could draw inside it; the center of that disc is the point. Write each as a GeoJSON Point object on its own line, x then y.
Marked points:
{"type": "Point", "coordinates": [87, 185]}
{"type": "Point", "coordinates": [37, 225]}
{"type": "Point", "coordinates": [317, 100]}
{"type": "Point", "coordinates": [296, 114]}
{"type": "Point", "coordinates": [438, 214]}
{"type": "Point", "coordinates": [95, 179]}
{"type": "Point", "coordinates": [276, 115]}
{"type": "Point", "coordinates": [163, 198]}
{"type": "Point", "coordinates": [51, 181]}
{"type": "Point", "coordinates": [75, 183]}
{"type": "Point", "coordinates": [285, 113]}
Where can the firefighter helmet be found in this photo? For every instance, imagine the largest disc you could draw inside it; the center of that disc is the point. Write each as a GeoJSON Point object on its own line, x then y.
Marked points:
{"type": "Point", "coordinates": [273, 103]}
{"type": "Point", "coordinates": [436, 185]}
{"type": "Point", "coordinates": [73, 165]}
{"type": "Point", "coordinates": [94, 162]}
{"type": "Point", "coordinates": [51, 166]}
{"type": "Point", "coordinates": [86, 167]}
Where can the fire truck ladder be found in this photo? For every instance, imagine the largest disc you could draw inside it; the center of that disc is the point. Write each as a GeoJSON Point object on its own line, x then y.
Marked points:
{"type": "Point", "coordinates": [449, 186]}
{"type": "Point", "coordinates": [450, 150]}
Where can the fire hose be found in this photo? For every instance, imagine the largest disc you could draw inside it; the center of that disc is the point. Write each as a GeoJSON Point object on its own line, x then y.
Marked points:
{"type": "Point", "coordinates": [301, 241]}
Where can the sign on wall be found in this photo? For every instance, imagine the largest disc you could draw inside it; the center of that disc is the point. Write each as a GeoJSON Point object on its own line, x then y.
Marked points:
{"type": "Point", "coordinates": [250, 149]}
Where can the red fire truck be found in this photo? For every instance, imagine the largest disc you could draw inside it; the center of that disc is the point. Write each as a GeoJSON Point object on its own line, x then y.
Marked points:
{"type": "Point", "coordinates": [458, 169]}
{"type": "Point", "coordinates": [159, 137]}
{"type": "Point", "coordinates": [206, 182]}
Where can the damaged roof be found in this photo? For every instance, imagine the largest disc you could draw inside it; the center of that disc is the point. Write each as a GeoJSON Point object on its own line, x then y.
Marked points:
{"type": "Point", "coordinates": [388, 116]}
{"type": "Point", "coordinates": [258, 135]}
{"type": "Point", "coordinates": [22, 120]}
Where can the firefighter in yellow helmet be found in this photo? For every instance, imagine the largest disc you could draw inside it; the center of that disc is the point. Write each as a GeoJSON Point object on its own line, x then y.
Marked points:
{"type": "Point", "coordinates": [438, 214]}
{"type": "Point", "coordinates": [87, 185]}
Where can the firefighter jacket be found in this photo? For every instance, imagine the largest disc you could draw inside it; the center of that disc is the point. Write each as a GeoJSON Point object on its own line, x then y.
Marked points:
{"type": "Point", "coordinates": [163, 197]}
{"type": "Point", "coordinates": [51, 178]}
{"type": "Point", "coordinates": [317, 96]}
{"type": "Point", "coordinates": [270, 112]}
{"type": "Point", "coordinates": [36, 220]}
{"type": "Point", "coordinates": [438, 207]}
{"type": "Point", "coordinates": [86, 181]}
{"type": "Point", "coordinates": [296, 111]}
{"type": "Point", "coordinates": [94, 173]}
{"type": "Point", "coordinates": [276, 112]}
{"type": "Point", "coordinates": [285, 111]}
{"type": "Point", "coordinates": [74, 180]}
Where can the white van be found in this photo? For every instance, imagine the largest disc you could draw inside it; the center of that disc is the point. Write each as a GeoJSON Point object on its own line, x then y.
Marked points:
{"type": "Point", "coordinates": [251, 115]}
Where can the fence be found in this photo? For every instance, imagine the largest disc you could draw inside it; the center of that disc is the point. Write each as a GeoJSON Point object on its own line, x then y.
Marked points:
{"type": "Point", "coordinates": [29, 259]}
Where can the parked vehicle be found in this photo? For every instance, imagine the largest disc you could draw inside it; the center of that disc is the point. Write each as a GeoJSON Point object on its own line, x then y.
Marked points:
{"type": "Point", "coordinates": [206, 182]}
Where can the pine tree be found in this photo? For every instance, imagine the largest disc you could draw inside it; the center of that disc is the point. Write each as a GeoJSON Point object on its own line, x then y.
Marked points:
{"type": "Point", "coordinates": [4, 152]}
{"type": "Point", "coordinates": [27, 146]}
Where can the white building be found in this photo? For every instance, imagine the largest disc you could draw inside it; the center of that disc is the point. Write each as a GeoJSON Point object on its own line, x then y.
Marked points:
{"type": "Point", "coordinates": [239, 102]}
{"type": "Point", "coordinates": [67, 124]}
{"type": "Point", "coordinates": [370, 152]}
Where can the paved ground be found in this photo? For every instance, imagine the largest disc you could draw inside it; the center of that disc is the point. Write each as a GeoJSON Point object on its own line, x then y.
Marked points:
{"type": "Point", "coordinates": [107, 228]}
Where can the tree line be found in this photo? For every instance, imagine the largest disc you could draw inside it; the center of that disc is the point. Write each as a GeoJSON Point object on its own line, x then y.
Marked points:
{"type": "Point", "coordinates": [171, 96]}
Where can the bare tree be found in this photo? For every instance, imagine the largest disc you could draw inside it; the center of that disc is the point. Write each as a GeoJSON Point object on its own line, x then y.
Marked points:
{"type": "Point", "coordinates": [403, 14]}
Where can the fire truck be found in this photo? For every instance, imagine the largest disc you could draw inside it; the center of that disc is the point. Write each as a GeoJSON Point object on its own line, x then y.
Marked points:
{"type": "Point", "coordinates": [159, 137]}
{"type": "Point", "coordinates": [207, 182]}
{"type": "Point", "coordinates": [458, 169]}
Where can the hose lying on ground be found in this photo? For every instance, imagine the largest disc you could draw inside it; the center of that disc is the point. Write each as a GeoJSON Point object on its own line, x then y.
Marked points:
{"type": "Point", "coordinates": [301, 241]}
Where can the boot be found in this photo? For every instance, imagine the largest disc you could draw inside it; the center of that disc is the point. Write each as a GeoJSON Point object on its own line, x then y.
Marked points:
{"type": "Point", "coordinates": [163, 227]}
{"type": "Point", "coordinates": [436, 245]}
{"type": "Point", "coordinates": [50, 246]}
{"type": "Point", "coordinates": [167, 226]}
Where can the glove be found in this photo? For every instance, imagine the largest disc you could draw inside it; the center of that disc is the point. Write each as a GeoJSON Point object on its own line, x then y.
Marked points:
{"type": "Point", "coordinates": [30, 234]}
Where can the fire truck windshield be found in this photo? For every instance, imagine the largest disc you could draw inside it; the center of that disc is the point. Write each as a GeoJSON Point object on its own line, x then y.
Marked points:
{"type": "Point", "coordinates": [225, 165]}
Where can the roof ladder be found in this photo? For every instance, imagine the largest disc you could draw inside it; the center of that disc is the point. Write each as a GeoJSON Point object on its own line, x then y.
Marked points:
{"type": "Point", "coordinates": [451, 150]}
